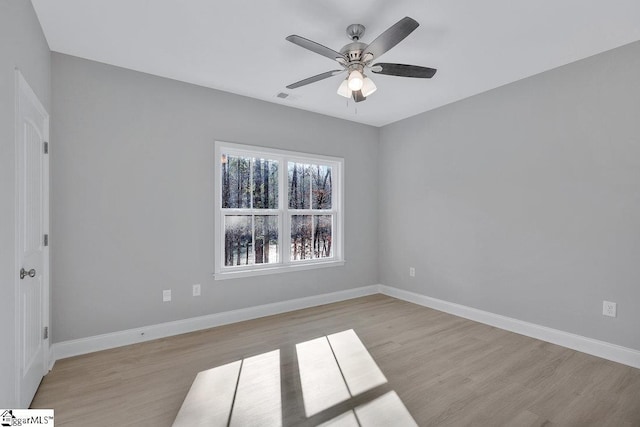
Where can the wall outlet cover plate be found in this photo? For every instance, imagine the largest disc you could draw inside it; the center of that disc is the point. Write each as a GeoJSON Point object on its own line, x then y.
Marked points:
{"type": "Point", "coordinates": [609, 308]}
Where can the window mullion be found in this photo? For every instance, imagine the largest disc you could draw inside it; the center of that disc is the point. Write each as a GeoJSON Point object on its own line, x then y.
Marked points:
{"type": "Point", "coordinates": [286, 239]}
{"type": "Point", "coordinates": [281, 226]}
{"type": "Point", "coordinates": [285, 235]}
{"type": "Point", "coordinates": [313, 234]}
{"type": "Point", "coordinates": [239, 211]}
{"type": "Point", "coordinates": [253, 238]}
{"type": "Point", "coordinates": [310, 187]}
{"type": "Point", "coordinates": [251, 183]}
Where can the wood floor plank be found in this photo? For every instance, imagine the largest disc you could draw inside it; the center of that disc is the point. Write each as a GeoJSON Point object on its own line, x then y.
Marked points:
{"type": "Point", "coordinates": [257, 401]}
{"type": "Point", "coordinates": [348, 419]}
{"type": "Point", "coordinates": [210, 398]}
{"type": "Point", "coordinates": [446, 370]}
{"type": "Point", "coordinates": [322, 383]}
{"type": "Point", "coordinates": [360, 371]}
{"type": "Point", "coordinates": [386, 410]}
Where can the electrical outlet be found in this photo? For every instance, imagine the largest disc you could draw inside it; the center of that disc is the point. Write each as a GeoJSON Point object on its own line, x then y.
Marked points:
{"type": "Point", "coordinates": [609, 308]}
{"type": "Point", "coordinates": [166, 295]}
{"type": "Point", "coordinates": [196, 290]}
{"type": "Point", "coordinates": [412, 272]}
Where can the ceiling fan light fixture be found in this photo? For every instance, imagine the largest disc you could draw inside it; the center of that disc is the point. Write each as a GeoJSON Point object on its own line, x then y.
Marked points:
{"type": "Point", "coordinates": [368, 87]}
{"type": "Point", "coordinates": [356, 80]}
{"type": "Point", "coordinates": [343, 89]}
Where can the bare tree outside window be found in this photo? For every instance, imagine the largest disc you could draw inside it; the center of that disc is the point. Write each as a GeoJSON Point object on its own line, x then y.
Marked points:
{"type": "Point", "coordinates": [310, 189]}
{"type": "Point", "coordinates": [250, 184]}
{"type": "Point", "coordinates": [238, 240]}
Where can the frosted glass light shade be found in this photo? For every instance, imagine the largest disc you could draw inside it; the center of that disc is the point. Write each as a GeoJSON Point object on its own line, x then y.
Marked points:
{"type": "Point", "coordinates": [356, 80]}
{"type": "Point", "coordinates": [368, 87]}
{"type": "Point", "coordinates": [343, 89]}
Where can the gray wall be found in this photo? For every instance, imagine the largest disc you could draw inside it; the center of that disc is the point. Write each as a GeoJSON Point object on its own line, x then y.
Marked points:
{"type": "Point", "coordinates": [524, 201]}
{"type": "Point", "coordinates": [132, 201]}
{"type": "Point", "coordinates": [22, 46]}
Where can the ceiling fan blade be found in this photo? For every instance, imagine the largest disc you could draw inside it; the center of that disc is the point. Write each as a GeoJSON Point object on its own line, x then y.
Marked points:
{"type": "Point", "coordinates": [357, 96]}
{"type": "Point", "coordinates": [314, 79]}
{"type": "Point", "coordinates": [315, 47]}
{"type": "Point", "coordinates": [394, 35]}
{"type": "Point", "coordinates": [404, 70]}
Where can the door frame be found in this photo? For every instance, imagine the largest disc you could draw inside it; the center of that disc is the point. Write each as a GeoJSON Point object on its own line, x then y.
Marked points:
{"type": "Point", "coordinates": [23, 87]}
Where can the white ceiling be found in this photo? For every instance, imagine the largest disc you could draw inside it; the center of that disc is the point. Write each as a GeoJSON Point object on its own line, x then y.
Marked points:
{"type": "Point", "coordinates": [239, 46]}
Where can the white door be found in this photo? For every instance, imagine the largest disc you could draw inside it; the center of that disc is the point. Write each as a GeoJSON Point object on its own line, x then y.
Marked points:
{"type": "Point", "coordinates": [32, 275]}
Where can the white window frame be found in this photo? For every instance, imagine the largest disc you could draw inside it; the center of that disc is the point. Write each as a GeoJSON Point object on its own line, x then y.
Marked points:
{"type": "Point", "coordinates": [285, 264]}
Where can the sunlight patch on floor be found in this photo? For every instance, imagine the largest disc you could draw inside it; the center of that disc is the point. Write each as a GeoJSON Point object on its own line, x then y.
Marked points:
{"type": "Point", "coordinates": [333, 369]}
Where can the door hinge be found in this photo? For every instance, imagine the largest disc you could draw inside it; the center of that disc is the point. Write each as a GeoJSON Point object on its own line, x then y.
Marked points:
{"type": "Point", "coordinates": [46, 332]}
{"type": "Point", "coordinates": [46, 147]}
{"type": "Point", "coordinates": [46, 240]}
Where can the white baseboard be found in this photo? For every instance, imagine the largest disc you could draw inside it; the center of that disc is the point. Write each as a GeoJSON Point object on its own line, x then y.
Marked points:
{"type": "Point", "coordinates": [80, 346]}
{"type": "Point", "coordinates": [591, 346]}
{"type": "Point", "coordinates": [605, 350]}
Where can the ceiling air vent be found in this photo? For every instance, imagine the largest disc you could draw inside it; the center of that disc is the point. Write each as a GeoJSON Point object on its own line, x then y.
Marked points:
{"type": "Point", "coordinates": [282, 95]}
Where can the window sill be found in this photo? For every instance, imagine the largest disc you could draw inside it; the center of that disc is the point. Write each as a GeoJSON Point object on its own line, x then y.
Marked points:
{"type": "Point", "coordinates": [275, 270]}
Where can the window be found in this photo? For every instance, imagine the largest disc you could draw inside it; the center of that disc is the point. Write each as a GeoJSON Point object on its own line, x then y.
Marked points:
{"type": "Point", "coordinates": [275, 211]}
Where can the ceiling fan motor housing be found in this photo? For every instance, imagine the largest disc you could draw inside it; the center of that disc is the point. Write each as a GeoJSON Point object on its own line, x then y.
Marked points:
{"type": "Point", "coordinates": [353, 51]}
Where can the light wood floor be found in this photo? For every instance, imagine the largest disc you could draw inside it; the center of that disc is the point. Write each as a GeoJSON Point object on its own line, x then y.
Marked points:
{"type": "Point", "coordinates": [448, 371]}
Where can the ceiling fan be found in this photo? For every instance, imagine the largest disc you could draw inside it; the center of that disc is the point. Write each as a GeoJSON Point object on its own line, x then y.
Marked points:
{"type": "Point", "coordinates": [356, 56]}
